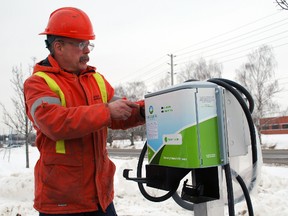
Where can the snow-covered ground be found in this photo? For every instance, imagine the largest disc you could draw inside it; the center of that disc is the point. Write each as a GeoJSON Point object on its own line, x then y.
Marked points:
{"type": "Point", "coordinates": [16, 187]}
{"type": "Point", "coordinates": [276, 141]}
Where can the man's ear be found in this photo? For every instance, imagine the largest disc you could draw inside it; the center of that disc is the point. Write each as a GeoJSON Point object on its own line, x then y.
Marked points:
{"type": "Point", "coordinates": [58, 47]}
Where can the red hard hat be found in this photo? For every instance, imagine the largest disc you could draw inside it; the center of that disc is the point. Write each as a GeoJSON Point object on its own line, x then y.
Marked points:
{"type": "Point", "coordinates": [70, 22]}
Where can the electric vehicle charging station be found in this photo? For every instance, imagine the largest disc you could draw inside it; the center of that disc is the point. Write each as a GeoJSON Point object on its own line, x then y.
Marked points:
{"type": "Point", "coordinates": [201, 129]}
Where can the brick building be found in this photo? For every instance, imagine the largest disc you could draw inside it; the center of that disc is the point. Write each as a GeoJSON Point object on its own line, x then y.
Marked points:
{"type": "Point", "coordinates": [274, 125]}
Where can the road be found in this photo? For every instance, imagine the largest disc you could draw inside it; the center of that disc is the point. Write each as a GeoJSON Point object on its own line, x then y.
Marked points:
{"type": "Point", "coordinates": [269, 156]}
{"type": "Point", "coordinates": [115, 152]}
{"type": "Point", "coordinates": [275, 156]}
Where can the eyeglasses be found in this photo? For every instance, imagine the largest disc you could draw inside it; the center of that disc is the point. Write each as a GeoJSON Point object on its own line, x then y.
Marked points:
{"type": "Point", "coordinates": [80, 45]}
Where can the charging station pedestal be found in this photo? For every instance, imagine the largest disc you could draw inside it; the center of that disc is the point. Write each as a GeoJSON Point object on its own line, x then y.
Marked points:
{"type": "Point", "coordinates": [215, 207]}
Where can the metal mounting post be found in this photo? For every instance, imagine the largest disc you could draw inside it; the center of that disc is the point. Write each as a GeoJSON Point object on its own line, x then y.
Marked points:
{"type": "Point", "coordinates": [215, 207]}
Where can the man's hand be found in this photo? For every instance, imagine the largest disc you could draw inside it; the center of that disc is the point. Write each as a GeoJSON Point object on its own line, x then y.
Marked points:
{"type": "Point", "coordinates": [121, 109]}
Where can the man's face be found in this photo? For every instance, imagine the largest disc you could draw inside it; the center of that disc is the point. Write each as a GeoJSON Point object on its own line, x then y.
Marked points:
{"type": "Point", "coordinates": [74, 54]}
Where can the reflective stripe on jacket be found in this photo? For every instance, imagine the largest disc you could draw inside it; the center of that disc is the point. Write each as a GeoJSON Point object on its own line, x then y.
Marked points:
{"type": "Point", "coordinates": [60, 144]}
{"type": "Point", "coordinates": [82, 178]}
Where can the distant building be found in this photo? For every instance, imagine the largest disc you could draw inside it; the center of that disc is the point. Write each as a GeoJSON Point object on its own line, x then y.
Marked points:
{"type": "Point", "coordinates": [274, 125]}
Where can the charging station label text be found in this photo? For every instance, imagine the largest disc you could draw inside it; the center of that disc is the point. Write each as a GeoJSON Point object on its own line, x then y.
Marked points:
{"type": "Point", "coordinates": [172, 139]}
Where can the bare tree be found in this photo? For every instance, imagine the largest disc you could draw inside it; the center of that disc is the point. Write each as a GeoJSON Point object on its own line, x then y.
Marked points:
{"type": "Point", "coordinates": [133, 91]}
{"type": "Point", "coordinates": [258, 76]}
{"type": "Point", "coordinates": [163, 83]}
{"type": "Point", "coordinates": [18, 120]}
{"type": "Point", "coordinates": [200, 70]}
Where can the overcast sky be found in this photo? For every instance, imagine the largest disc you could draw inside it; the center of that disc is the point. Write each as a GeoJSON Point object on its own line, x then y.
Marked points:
{"type": "Point", "coordinates": [133, 37]}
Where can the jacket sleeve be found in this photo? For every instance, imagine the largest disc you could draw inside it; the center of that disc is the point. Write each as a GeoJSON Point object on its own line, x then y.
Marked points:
{"type": "Point", "coordinates": [58, 122]}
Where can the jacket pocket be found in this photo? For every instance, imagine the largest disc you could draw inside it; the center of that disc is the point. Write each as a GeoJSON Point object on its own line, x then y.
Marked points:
{"type": "Point", "coordinates": [62, 178]}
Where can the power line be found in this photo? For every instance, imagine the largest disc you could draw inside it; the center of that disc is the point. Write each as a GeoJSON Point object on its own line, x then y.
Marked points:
{"type": "Point", "coordinates": [225, 33]}
{"type": "Point", "coordinates": [232, 40]}
{"type": "Point", "coordinates": [240, 46]}
{"type": "Point", "coordinates": [283, 4]}
{"type": "Point", "coordinates": [224, 43]}
{"type": "Point", "coordinates": [151, 71]}
{"type": "Point", "coordinates": [147, 66]}
{"type": "Point", "coordinates": [243, 56]}
{"type": "Point", "coordinates": [238, 57]}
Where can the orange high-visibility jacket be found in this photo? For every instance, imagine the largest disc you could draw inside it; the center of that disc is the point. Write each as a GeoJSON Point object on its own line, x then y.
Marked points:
{"type": "Point", "coordinates": [80, 178]}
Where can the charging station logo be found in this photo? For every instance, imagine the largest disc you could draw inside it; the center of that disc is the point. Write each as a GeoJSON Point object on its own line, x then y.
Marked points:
{"type": "Point", "coordinates": [152, 115]}
{"type": "Point", "coordinates": [151, 110]}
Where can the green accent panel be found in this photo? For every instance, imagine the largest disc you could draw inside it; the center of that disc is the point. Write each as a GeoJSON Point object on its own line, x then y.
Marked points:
{"type": "Point", "coordinates": [187, 155]}
{"type": "Point", "coordinates": [151, 152]}
{"type": "Point", "coordinates": [209, 140]}
{"type": "Point", "coordinates": [157, 157]}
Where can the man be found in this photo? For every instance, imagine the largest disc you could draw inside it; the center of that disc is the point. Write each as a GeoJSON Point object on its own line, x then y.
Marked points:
{"type": "Point", "coordinates": [71, 107]}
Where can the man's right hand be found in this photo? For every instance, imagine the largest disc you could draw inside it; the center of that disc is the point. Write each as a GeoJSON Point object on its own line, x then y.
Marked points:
{"type": "Point", "coordinates": [121, 109]}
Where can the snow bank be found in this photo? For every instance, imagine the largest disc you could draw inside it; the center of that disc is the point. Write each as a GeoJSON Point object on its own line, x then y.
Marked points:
{"type": "Point", "coordinates": [275, 141]}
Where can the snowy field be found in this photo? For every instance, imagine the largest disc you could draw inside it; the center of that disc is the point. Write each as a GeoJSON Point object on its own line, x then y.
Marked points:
{"type": "Point", "coordinates": [16, 188]}
{"type": "Point", "coordinates": [277, 141]}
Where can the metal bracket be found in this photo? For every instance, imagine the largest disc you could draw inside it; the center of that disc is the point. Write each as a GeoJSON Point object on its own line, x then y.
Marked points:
{"type": "Point", "coordinates": [139, 180]}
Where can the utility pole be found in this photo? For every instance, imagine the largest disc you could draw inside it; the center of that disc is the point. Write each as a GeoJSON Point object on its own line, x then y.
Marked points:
{"type": "Point", "coordinates": [172, 66]}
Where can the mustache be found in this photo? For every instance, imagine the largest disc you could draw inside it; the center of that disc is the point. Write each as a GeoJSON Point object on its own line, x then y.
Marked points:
{"type": "Point", "coordinates": [84, 58]}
